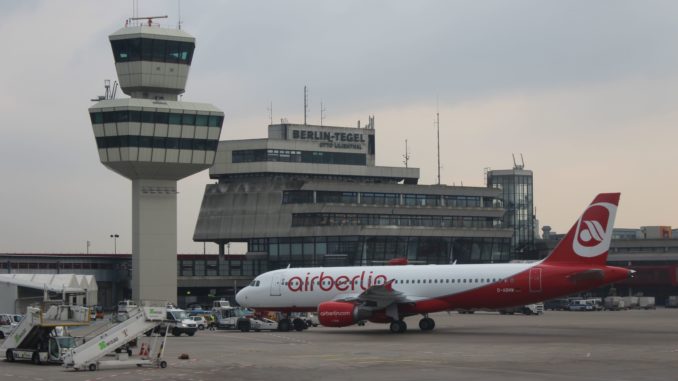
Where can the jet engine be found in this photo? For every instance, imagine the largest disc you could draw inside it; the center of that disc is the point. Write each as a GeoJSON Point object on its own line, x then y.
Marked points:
{"type": "Point", "coordinates": [341, 314]}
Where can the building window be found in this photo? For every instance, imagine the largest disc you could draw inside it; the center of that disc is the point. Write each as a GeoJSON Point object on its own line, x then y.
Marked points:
{"type": "Point", "coordinates": [314, 157]}
{"type": "Point", "coordinates": [297, 197]}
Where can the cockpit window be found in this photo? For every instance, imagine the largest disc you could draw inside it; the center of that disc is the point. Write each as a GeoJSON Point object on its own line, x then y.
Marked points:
{"type": "Point", "coordinates": [257, 283]}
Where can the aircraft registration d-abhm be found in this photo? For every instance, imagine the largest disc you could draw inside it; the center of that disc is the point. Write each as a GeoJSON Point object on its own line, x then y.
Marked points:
{"type": "Point", "coordinates": [343, 296]}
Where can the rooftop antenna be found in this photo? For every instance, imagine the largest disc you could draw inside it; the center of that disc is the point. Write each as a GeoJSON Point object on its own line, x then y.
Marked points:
{"type": "Point", "coordinates": [516, 165]}
{"type": "Point", "coordinates": [438, 132]}
{"type": "Point", "coordinates": [270, 112]}
{"type": "Point", "coordinates": [149, 18]}
{"type": "Point", "coordinates": [305, 104]}
{"type": "Point", "coordinates": [406, 156]}
{"type": "Point", "coordinates": [109, 92]}
{"type": "Point", "coordinates": [179, 23]}
{"type": "Point", "coordinates": [322, 112]}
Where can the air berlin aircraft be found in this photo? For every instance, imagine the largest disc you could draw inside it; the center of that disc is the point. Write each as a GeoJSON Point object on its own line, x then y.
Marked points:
{"type": "Point", "coordinates": [343, 296]}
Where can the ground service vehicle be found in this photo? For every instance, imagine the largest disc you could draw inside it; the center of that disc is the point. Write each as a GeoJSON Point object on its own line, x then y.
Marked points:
{"type": "Point", "coordinates": [580, 305]}
{"type": "Point", "coordinates": [343, 296]}
{"type": "Point", "coordinates": [176, 322]}
{"type": "Point", "coordinates": [98, 351]}
{"type": "Point", "coordinates": [257, 324]}
{"type": "Point", "coordinates": [35, 338]}
{"type": "Point", "coordinates": [614, 303]}
{"type": "Point", "coordinates": [529, 309]}
{"type": "Point", "coordinates": [672, 301]}
{"type": "Point", "coordinates": [556, 304]}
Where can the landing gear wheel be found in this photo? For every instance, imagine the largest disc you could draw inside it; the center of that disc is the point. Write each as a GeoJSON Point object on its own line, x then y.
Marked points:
{"type": "Point", "coordinates": [92, 367]}
{"type": "Point", "coordinates": [398, 326]}
{"type": "Point", "coordinates": [9, 355]}
{"type": "Point", "coordinates": [284, 325]}
{"type": "Point", "coordinates": [299, 325]}
{"type": "Point", "coordinates": [163, 364]}
{"type": "Point", "coordinates": [427, 324]}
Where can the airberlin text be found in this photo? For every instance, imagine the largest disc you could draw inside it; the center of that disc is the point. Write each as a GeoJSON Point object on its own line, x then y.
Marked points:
{"type": "Point", "coordinates": [360, 281]}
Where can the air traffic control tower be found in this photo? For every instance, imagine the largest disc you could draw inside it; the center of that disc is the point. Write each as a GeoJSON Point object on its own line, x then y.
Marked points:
{"type": "Point", "coordinates": [154, 140]}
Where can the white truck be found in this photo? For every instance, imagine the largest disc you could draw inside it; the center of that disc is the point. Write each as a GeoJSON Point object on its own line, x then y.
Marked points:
{"type": "Point", "coordinates": [35, 338]}
{"type": "Point", "coordinates": [97, 352]}
{"type": "Point", "coordinates": [176, 322]}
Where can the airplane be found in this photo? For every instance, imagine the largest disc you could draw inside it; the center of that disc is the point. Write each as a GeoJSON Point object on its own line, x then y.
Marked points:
{"type": "Point", "coordinates": [344, 296]}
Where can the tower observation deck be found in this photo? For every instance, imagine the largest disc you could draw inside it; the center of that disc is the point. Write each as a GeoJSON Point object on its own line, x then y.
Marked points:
{"type": "Point", "coordinates": [154, 140]}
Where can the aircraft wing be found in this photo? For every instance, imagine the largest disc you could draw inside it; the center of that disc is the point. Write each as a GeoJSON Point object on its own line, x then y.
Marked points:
{"type": "Point", "coordinates": [377, 297]}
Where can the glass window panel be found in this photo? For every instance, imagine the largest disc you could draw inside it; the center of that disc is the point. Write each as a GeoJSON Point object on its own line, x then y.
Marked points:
{"type": "Point", "coordinates": [174, 118]}
{"type": "Point", "coordinates": [188, 119]}
{"type": "Point", "coordinates": [146, 49]}
{"type": "Point", "coordinates": [201, 120]}
{"type": "Point", "coordinates": [159, 50]}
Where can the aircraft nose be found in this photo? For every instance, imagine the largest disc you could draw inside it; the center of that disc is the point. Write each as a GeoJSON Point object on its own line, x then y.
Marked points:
{"type": "Point", "coordinates": [241, 297]}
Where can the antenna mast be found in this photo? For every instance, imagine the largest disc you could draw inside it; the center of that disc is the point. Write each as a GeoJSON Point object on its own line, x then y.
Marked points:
{"type": "Point", "coordinates": [179, 25]}
{"type": "Point", "coordinates": [305, 104]}
{"type": "Point", "coordinates": [406, 156]}
{"type": "Point", "coordinates": [322, 112]}
{"type": "Point", "coordinates": [270, 112]}
{"type": "Point", "coordinates": [438, 132]}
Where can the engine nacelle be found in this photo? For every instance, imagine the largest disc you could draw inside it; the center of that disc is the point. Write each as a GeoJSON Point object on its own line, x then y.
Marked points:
{"type": "Point", "coordinates": [340, 314]}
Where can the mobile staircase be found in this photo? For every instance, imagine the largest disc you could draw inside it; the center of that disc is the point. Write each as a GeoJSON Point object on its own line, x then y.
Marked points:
{"type": "Point", "coordinates": [36, 338]}
{"type": "Point", "coordinates": [93, 354]}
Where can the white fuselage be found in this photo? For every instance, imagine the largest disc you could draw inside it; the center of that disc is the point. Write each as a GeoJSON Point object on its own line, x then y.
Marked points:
{"type": "Point", "coordinates": [306, 288]}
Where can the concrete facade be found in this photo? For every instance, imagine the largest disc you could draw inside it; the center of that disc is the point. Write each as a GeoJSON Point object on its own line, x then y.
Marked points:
{"type": "Point", "coordinates": [312, 195]}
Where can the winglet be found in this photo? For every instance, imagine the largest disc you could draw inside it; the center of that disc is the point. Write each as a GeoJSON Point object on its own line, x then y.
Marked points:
{"type": "Point", "coordinates": [588, 241]}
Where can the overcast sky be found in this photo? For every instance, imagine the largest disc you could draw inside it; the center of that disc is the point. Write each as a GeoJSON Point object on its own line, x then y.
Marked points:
{"type": "Point", "coordinates": [585, 90]}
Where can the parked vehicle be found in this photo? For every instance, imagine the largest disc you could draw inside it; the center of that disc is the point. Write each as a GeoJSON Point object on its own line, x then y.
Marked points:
{"type": "Point", "coordinates": [631, 301]}
{"type": "Point", "coordinates": [614, 303]}
{"type": "Point", "coordinates": [672, 301]}
{"type": "Point", "coordinates": [38, 340]}
{"type": "Point", "coordinates": [126, 305]}
{"type": "Point", "coordinates": [530, 309]}
{"type": "Point", "coordinates": [200, 321]}
{"type": "Point", "coordinates": [646, 302]}
{"type": "Point", "coordinates": [245, 324]}
{"type": "Point", "coordinates": [178, 322]}
{"type": "Point", "coordinates": [557, 304]}
{"type": "Point", "coordinates": [580, 305]}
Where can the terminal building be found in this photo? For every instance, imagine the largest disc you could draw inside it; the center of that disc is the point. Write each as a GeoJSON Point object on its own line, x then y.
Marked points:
{"type": "Point", "coordinates": [313, 196]}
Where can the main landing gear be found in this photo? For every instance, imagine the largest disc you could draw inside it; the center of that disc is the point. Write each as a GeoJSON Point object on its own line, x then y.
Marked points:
{"type": "Point", "coordinates": [427, 324]}
{"type": "Point", "coordinates": [398, 326]}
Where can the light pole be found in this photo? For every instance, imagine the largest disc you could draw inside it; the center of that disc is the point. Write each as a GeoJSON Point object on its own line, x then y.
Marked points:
{"type": "Point", "coordinates": [115, 243]}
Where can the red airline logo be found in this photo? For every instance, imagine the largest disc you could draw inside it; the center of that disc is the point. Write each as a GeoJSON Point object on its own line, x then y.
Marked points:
{"type": "Point", "coordinates": [361, 281]}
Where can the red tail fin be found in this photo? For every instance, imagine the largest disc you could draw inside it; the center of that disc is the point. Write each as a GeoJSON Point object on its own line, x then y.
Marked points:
{"type": "Point", "coordinates": [588, 240]}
